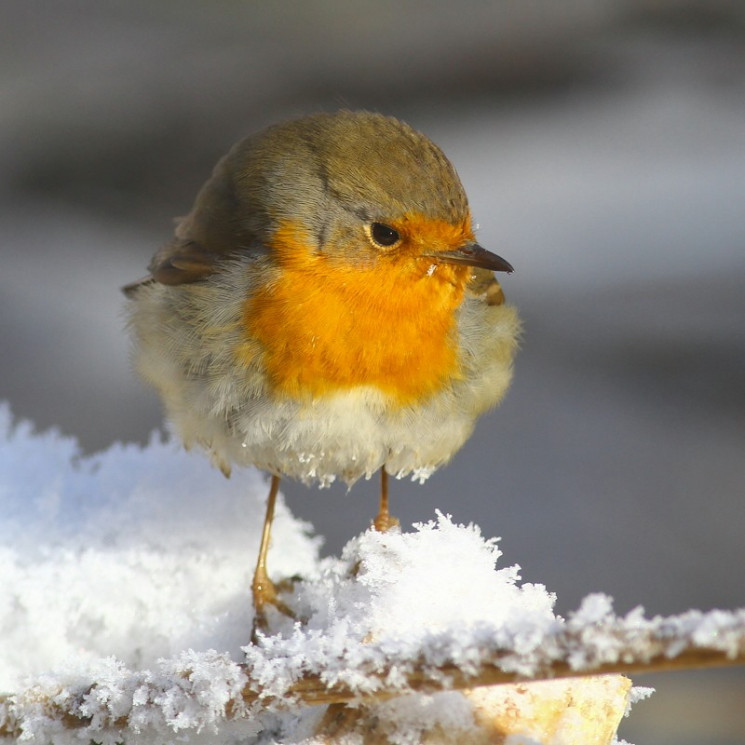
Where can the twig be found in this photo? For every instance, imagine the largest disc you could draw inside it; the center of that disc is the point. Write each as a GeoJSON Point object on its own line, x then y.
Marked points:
{"type": "Point", "coordinates": [611, 645]}
{"type": "Point", "coordinates": [311, 690]}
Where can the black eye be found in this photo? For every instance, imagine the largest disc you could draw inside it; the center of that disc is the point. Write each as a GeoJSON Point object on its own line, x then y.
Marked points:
{"type": "Point", "coordinates": [384, 235]}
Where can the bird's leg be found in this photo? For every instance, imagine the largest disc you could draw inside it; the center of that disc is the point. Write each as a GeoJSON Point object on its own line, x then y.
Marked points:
{"type": "Point", "coordinates": [384, 520]}
{"type": "Point", "coordinates": [264, 590]}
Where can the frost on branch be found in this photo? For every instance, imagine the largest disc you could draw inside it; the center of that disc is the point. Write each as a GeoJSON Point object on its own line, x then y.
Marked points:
{"type": "Point", "coordinates": [114, 565]}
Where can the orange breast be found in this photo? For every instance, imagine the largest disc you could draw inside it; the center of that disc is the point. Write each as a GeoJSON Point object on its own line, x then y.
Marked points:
{"type": "Point", "coordinates": [326, 324]}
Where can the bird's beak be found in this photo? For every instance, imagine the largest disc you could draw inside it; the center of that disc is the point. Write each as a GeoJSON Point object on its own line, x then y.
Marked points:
{"type": "Point", "coordinates": [472, 255]}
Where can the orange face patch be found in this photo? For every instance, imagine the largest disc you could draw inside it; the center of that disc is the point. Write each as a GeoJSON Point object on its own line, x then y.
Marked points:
{"type": "Point", "coordinates": [421, 233]}
{"type": "Point", "coordinates": [328, 324]}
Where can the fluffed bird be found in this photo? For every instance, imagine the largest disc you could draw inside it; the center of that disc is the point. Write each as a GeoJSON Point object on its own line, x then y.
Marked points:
{"type": "Point", "coordinates": [324, 311]}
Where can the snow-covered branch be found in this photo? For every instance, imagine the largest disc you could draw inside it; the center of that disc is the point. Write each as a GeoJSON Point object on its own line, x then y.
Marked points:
{"type": "Point", "coordinates": [200, 690]}
{"type": "Point", "coordinates": [111, 566]}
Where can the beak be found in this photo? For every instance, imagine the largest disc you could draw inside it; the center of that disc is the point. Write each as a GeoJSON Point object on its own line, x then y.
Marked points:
{"type": "Point", "coordinates": [472, 255]}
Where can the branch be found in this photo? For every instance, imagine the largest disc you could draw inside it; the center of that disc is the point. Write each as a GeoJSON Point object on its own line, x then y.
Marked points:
{"type": "Point", "coordinates": [578, 647]}
{"type": "Point", "coordinates": [311, 690]}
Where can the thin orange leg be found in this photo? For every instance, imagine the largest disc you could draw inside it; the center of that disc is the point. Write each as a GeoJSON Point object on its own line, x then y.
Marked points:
{"type": "Point", "coordinates": [384, 520]}
{"type": "Point", "coordinates": [264, 590]}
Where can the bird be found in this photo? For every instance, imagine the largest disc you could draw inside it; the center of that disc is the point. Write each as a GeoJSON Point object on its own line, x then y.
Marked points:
{"type": "Point", "coordinates": [325, 312]}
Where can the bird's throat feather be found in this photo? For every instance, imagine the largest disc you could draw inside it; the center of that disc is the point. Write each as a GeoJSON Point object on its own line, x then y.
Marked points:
{"type": "Point", "coordinates": [326, 324]}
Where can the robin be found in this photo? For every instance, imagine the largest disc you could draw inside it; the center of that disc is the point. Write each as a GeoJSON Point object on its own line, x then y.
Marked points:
{"type": "Point", "coordinates": [324, 311]}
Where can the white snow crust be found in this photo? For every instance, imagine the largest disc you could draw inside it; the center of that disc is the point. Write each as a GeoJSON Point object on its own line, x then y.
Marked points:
{"type": "Point", "coordinates": [126, 603]}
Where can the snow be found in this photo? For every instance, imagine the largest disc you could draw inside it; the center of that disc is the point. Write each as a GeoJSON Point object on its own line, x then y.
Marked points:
{"type": "Point", "coordinates": [392, 598]}
{"type": "Point", "coordinates": [126, 608]}
{"type": "Point", "coordinates": [135, 553]}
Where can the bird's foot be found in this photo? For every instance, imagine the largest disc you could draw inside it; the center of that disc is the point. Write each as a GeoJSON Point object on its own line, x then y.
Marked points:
{"type": "Point", "coordinates": [384, 522]}
{"type": "Point", "coordinates": [266, 593]}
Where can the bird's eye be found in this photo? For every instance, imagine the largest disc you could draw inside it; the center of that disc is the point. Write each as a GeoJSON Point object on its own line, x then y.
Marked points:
{"type": "Point", "coordinates": [384, 235]}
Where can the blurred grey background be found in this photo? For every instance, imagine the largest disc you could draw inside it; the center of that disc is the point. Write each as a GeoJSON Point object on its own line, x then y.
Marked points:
{"type": "Point", "coordinates": [602, 143]}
